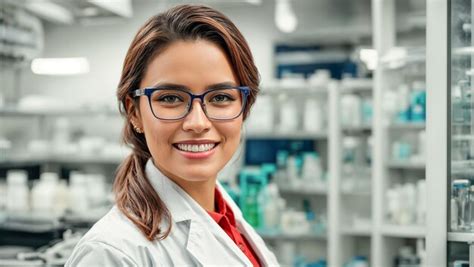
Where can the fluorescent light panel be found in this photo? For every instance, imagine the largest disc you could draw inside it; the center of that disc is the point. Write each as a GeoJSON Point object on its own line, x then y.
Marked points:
{"type": "Point", "coordinates": [60, 66]}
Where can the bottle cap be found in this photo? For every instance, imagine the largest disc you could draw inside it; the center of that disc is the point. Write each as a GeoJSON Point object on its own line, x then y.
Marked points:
{"type": "Point", "coordinates": [461, 183]}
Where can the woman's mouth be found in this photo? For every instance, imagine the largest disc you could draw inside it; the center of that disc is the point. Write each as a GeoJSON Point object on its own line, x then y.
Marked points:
{"type": "Point", "coordinates": [197, 150]}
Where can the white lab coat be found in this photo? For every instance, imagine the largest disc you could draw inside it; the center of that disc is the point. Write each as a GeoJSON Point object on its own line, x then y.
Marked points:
{"type": "Point", "coordinates": [195, 238]}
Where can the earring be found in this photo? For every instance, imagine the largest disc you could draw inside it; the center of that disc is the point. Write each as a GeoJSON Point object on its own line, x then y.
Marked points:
{"type": "Point", "coordinates": [136, 128]}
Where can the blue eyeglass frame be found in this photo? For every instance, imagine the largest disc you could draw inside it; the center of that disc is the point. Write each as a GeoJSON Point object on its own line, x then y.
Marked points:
{"type": "Point", "coordinates": [148, 91]}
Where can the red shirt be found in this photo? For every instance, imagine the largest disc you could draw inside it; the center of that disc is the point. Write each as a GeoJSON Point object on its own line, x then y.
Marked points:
{"type": "Point", "coordinates": [226, 220]}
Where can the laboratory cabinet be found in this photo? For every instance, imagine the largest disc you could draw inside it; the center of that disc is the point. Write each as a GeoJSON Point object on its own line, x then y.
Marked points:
{"type": "Point", "coordinates": [450, 55]}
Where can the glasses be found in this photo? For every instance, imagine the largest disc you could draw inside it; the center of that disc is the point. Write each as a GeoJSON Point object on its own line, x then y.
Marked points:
{"type": "Point", "coordinates": [174, 104]}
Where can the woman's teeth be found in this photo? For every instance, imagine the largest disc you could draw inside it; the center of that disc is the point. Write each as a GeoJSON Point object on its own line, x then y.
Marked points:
{"type": "Point", "coordinates": [196, 148]}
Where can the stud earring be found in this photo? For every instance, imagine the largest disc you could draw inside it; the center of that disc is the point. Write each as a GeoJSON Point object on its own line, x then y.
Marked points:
{"type": "Point", "coordinates": [136, 128]}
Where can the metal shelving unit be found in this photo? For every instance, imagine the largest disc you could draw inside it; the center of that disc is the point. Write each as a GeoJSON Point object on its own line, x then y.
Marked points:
{"type": "Point", "coordinates": [347, 238]}
{"type": "Point", "coordinates": [316, 242]}
{"type": "Point", "coordinates": [394, 67]}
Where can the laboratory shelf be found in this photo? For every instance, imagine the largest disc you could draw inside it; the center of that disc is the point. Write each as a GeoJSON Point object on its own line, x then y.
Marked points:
{"type": "Point", "coordinates": [462, 164]}
{"type": "Point", "coordinates": [404, 231]}
{"type": "Point", "coordinates": [303, 190]}
{"type": "Point", "coordinates": [462, 137]}
{"type": "Point", "coordinates": [357, 230]}
{"type": "Point", "coordinates": [407, 126]}
{"type": "Point", "coordinates": [405, 165]}
{"type": "Point", "coordinates": [464, 51]}
{"type": "Point", "coordinates": [399, 57]}
{"type": "Point", "coordinates": [289, 135]}
{"type": "Point", "coordinates": [29, 222]}
{"type": "Point", "coordinates": [351, 86]}
{"type": "Point", "coordinates": [294, 90]}
{"type": "Point", "coordinates": [461, 237]}
{"type": "Point", "coordinates": [65, 159]}
{"type": "Point", "coordinates": [366, 128]}
{"type": "Point", "coordinates": [15, 112]}
{"type": "Point", "coordinates": [292, 237]}
{"type": "Point", "coordinates": [353, 192]}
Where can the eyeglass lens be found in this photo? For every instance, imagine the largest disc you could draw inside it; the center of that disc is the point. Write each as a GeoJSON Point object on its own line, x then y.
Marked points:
{"type": "Point", "coordinates": [174, 104]}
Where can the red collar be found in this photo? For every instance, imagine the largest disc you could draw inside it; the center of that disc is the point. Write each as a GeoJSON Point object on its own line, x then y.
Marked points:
{"type": "Point", "coordinates": [221, 209]}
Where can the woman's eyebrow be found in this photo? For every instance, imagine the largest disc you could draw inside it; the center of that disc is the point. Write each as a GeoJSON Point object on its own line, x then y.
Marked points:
{"type": "Point", "coordinates": [221, 85]}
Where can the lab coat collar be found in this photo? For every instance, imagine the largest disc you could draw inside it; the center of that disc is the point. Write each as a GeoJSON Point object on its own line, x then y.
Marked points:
{"type": "Point", "coordinates": [182, 208]}
{"type": "Point", "coordinates": [170, 193]}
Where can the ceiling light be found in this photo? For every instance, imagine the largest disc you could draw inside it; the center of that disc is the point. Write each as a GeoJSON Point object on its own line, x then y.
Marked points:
{"type": "Point", "coordinates": [50, 11]}
{"type": "Point", "coordinates": [60, 66]}
{"type": "Point", "coordinates": [285, 17]}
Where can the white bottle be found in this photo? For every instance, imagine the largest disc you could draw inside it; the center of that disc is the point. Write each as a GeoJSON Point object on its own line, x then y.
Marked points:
{"type": "Point", "coordinates": [292, 172]}
{"type": "Point", "coordinates": [288, 115]}
{"type": "Point", "coordinates": [61, 200]}
{"type": "Point", "coordinates": [312, 170]}
{"type": "Point", "coordinates": [313, 116]}
{"type": "Point", "coordinates": [411, 201]}
{"type": "Point", "coordinates": [421, 203]}
{"type": "Point", "coordinates": [262, 118]}
{"type": "Point", "coordinates": [393, 205]}
{"type": "Point", "coordinates": [96, 189]}
{"type": "Point", "coordinates": [44, 192]}
{"type": "Point", "coordinates": [351, 111]}
{"type": "Point", "coordinates": [79, 199]}
{"type": "Point", "coordinates": [454, 214]}
{"type": "Point", "coordinates": [271, 208]}
{"type": "Point", "coordinates": [17, 191]}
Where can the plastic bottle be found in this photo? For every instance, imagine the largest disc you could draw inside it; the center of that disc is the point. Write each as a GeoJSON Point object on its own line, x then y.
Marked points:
{"type": "Point", "coordinates": [281, 175]}
{"type": "Point", "coordinates": [272, 208]}
{"type": "Point", "coordinates": [313, 116]}
{"type": "Point", "coordinates": [461, 194]}
{"type": "Point", "coordinates": [403, 109]}
{"type": "Point", "coordinates": [454, 214]}
{"type": "Point", "coordinates": [471, 206]}
{"type": "Point", "coordinates": [351, 110]}
{"type": "Point", "coordinates": [251, 205]}
{"type": "Point", "coordinates": [367, 111]}
{"type": "Point", "coordinates": [312, 173]}
{"type": "Point", "coordinates": [358, 261]}
{"type": "Point", "coordinates": [418, 102]}
{"type": "Point", "coordinates": [44, 192]}
{"type": "Point", "coordinates": [293, 164]}
{"type": "Point", "coordinates": [288, 115]}
{"type": "Point", "coordinates": [421, 202]}
{"type": "Point", "coordinates": [96, 189]}
{"type": "Point", "coordinates": [17, 191]}
{"type": "Point", "coordinates": [61, 200]}
{"type": "Point", "coordinates": [79, 200]}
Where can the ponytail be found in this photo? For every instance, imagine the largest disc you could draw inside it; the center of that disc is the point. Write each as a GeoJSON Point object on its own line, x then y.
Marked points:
{"type": "Point", "coordinates": [137, 199]}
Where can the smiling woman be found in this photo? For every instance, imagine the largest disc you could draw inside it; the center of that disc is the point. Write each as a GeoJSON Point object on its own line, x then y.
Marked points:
{"type": "Point", "coordinates": [187, 85]}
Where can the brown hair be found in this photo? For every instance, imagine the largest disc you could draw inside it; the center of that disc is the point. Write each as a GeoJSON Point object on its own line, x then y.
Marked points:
{"type": "Point", "coordinates": [134, 195]}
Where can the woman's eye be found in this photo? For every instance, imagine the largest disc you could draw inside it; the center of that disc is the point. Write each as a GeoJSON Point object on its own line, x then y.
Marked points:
{"type": "Point", "coordinates": [170, 99]}
{"type": "Point", "coordinates": [221, 98]}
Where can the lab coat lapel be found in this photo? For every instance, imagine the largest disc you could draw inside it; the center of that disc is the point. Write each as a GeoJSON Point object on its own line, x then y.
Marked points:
{"type": "Point", "coordinates": [207, 242]}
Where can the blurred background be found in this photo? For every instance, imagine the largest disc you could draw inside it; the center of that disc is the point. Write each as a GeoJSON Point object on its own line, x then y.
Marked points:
{"type": "Point", "coordinates": [332, 168]}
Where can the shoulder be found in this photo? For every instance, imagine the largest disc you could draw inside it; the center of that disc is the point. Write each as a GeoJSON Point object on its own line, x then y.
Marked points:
{"type": "Point", "coordinates": [114, 227]}
{"type": "Point", "coordinates": [113, 241]}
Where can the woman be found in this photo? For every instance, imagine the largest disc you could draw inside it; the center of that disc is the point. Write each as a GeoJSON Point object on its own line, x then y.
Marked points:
{"type": "Point", "coordinates": [187, 85]}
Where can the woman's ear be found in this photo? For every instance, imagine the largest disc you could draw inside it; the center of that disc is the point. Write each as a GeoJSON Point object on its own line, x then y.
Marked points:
{"type": "Point", "coordinates": [133, 113]}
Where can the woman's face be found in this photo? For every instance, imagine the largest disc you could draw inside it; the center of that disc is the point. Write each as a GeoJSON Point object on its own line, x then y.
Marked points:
{"type": "Point", "coordinates": [196, 65]}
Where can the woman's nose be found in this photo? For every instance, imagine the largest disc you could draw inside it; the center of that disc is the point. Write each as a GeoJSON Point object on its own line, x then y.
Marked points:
{"type": "Point", "coordinates": [196, 120]}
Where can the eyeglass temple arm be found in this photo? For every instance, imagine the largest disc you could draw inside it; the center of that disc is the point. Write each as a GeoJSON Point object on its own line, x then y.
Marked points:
{"type": "Point", "coordinates": [138, 92]}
